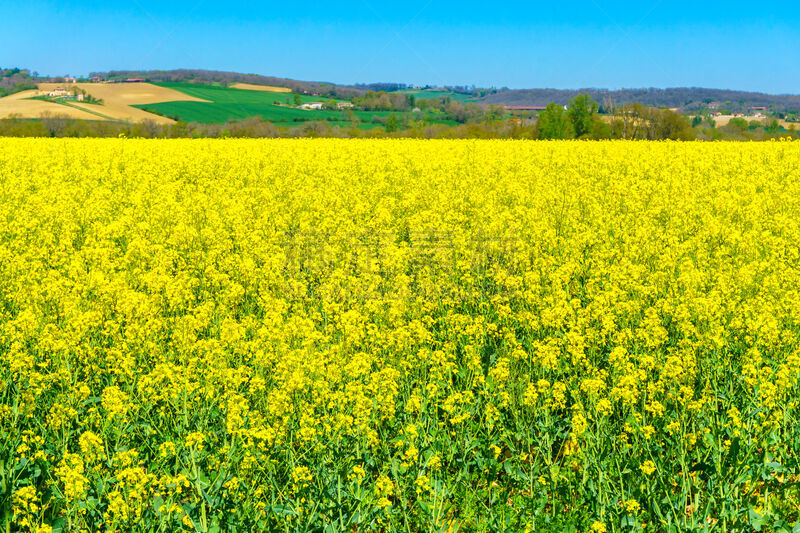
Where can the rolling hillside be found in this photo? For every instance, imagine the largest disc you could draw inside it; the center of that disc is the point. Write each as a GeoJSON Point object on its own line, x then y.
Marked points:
{"type": "Point", "coordinates": [229, 78]}
{"type": "Point", "coordinates": [221, 104]}
{"type": "Point", "coordinates": [121, 100]}
{"type": "Point", "coordinates": [118, 102]}
{"type": "Point", "coordinates": [684, 98]}
{"type": "Point", "coordinates": [217, 104]}
{"type": "Point", "coordinates": [166, 102]}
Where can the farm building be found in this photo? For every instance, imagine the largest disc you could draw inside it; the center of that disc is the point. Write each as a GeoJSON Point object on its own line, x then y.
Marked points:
{"type": "Point", "coordinates": [344, 105]}
{"type": "Point", "coordinates": [312, 105]}
{"type": "Point", "coordinates": [59, 92]}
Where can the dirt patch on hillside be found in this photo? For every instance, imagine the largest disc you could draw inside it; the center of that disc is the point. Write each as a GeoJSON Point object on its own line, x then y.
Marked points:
{"type": "Point", "coordinates": [265, 88]}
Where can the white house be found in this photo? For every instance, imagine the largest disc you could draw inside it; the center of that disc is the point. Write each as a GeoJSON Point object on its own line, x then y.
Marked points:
{"type": "Point", "coordinates": [59, 92]}
{"type": "Point", "coordinates": [312, 105]}
{"type": "Point", "coordinates": [344, 105]}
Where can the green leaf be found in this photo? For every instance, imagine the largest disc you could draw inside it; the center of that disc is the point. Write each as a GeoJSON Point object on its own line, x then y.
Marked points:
{"type": "Point", "coordinates": [756, 520]}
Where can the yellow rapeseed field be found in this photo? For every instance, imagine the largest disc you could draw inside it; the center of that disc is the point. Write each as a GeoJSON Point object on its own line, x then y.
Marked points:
{"type": "Point", "coordinates": [395, 335]}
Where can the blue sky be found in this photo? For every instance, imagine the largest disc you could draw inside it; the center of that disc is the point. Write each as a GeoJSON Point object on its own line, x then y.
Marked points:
{"type": "Point", "coordinates": [594, 43]}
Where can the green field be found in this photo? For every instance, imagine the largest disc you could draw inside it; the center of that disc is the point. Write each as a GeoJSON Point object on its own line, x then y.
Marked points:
{"type": "Point", "coordinates": [430, 94]}
{"type": "Point", "coordinates": [226, 104]}
{"type": "Point", "coordinates": [229, 95]}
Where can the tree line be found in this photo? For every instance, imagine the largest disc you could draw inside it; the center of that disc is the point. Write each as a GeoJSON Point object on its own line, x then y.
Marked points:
{"type": "Point", "coordinates": [14, 80]}
{"type": "Point", "coordinates": [441, 108]}
{"type": "Point", "coordinates": [580, 120]}
{"type": "Point", "coordinates": [62, 126]}
{"type": "Point", "coordinates": [683, 98]}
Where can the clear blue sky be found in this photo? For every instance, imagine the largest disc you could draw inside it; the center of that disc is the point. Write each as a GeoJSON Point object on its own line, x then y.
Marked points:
{"type": "Point", "coordinates": [595, 43]}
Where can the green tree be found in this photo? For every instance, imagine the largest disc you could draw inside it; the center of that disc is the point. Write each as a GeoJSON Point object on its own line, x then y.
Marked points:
{"type": "Point", "coordinates": [392, 123]}
{"type": "Point", "coordinates": [773, 127]}
{"type": "Point", "coordinates": [554, 123]}
{"type": "Point", "coordinates": [600, 128]}
{"type": "Point", "coordinates": [739, 124]}
{"type": "Point", "coordinates": [349, 116]}
{"type": "Point", "coordinates": [494, 113]}
{"type": "Point", "coordinates": [297, 99]}
{"type": "Point", "coordinates": [581, 112]}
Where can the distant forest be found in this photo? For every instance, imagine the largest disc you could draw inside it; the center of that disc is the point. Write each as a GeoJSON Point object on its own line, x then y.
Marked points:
{"type": "Point", "coordinates": [686, 99]}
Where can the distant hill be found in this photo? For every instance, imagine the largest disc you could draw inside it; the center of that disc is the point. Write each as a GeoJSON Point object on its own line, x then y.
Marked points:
{"type": "Point", "coordinates": [684, 98]}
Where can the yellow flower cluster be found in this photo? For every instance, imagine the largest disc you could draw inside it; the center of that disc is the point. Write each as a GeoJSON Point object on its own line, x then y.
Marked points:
{"type": "Point", "coordinates": [381, 335]}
